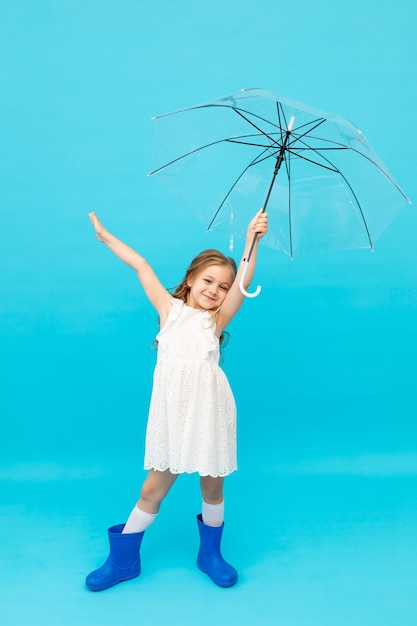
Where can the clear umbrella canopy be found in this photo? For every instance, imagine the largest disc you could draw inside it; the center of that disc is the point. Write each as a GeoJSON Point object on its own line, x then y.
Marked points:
{"type": "Point", "coordinates": [332, 191]}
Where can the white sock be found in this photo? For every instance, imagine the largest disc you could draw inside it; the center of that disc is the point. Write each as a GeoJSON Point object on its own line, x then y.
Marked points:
{"type": "Point", "coordinates": [212, 514]}
{"type": "Point", "coordinates": [138, 521]}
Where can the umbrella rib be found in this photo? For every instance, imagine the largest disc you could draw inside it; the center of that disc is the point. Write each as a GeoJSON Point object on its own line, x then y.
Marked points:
{"type": "Point", "coordinates": [295, 152]}
{"type": "Point", "coordinates": [334, 169]}
{"type": "Point", "coordinates": [307, 132]}
{"type": "Point", "coordinates": [213, 143]}
{"type": "Point", "coordinates": [317, 122]}
{"type": "Point", "coordinates": [237, 110]}
{"type": "Point", "coordinates": [330, 148]}
{"type": "Point", "coordinates": [342, 146]}
{"type": "Point", "coordinates": [183, 156]}
{"type": "Point", "coordinates": [254, 162]}
{"type": "Point", "coordinates": [220, 106]}
{"type": "Point", "coordinates": [265, 134]}
{"type": "Point", "coordinates": [304, 158]}
{"type": "Point", "coordinates": [240, 112]}
{"type": "Point", "coordinates": [247, 143]}
{"type": "Point", "coordinates": [373, 162]}
{"type": "Point", "coordinates": [208, 145]}
{"type": "Point", "coordinates": [336, 145]}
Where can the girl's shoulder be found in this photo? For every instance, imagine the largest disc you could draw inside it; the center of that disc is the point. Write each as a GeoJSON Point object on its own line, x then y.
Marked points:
{"type": "Point", "coordinates": [166, 311]}
{"type": "Point", "coordinates": [172, 305]}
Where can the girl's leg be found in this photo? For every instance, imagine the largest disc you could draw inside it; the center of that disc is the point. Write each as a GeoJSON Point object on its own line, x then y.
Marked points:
{"type": "Point", "coordinates": [213, 503]}
{"type": "Point", "coordinates": [210, 527]}
{"type": "Point", "coordinates": [123, 562]}
{"type": "Point", "coordinates": [154, 489]}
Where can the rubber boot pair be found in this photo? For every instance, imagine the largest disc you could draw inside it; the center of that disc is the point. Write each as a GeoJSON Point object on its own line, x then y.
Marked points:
{"type": "Point", "coordinates": [123, 562]}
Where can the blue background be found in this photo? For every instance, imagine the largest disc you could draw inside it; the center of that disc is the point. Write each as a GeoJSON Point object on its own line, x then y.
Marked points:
{"type": "Point", "coordinates": [321, 517]}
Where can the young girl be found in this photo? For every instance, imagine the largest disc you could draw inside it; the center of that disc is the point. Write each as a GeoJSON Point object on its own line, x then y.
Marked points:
{"type": "Point", "coordinates": [192, 416]}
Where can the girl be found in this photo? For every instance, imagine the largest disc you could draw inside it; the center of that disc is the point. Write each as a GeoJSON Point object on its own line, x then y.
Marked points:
{"type": "Point", "coordinates": [192, 416]}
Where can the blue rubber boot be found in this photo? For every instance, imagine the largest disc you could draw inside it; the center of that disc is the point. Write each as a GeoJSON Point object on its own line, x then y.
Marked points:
{"type": "Point", "coordinates": [123, 562]}
{"type": "Point", "coordinates": [209, 558]}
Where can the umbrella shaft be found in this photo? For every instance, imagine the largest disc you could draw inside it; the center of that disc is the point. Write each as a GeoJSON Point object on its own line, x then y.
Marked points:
{"type": "Point", "coordinates": [278, 163]}
{"type": "Point", "coordinates": [255, 237]}
{"type": "Point", "coordinates": [277, 166]}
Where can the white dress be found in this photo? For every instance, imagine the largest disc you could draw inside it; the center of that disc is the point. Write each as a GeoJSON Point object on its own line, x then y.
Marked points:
{"type": "Point", "coordinates": [192, 415]}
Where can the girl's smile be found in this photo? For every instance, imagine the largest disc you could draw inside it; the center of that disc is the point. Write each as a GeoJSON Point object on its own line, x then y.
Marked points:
{"type": "Point", "coordinates": [210, 287]}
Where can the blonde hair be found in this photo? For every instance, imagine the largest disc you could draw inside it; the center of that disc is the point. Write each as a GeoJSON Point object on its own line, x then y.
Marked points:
{"type": "Point", "coordinates": [197, 265]}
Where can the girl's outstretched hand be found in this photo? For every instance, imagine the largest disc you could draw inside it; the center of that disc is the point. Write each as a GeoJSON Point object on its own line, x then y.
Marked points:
{"type": "Point", "coordinates": [259, 224]}
{"type": "Point", "coordinates": [101, 232]}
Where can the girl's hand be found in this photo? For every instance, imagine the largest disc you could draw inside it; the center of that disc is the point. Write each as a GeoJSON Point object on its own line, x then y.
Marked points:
{"type": "Point", "coordinates": [259, 224]}
{"type": "Point", "coordinates": [101, 232]}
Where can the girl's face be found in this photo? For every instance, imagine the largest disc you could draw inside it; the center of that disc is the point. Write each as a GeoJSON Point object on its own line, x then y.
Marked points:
{"type": "Point", "coordinates": [209, 287]}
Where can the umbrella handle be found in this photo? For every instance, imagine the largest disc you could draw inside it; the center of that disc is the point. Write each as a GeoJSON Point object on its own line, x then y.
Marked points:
{"type": "Point", "coordinates": [241, 287]}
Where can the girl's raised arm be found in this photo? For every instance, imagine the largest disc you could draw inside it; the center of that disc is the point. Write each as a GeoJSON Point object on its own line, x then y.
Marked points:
{"type": "Point", "coordinates": [155, 291]}
{"type": "Point", "coordinates": [235, 298]}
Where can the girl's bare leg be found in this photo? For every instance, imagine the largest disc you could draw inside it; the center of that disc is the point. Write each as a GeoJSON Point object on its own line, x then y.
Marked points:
{"type": "Point", "coordinates": [154, 489]}
{"type": "Point", "coordinates": [212, 509]}
{"type": "Point", "coordinates": [212, 489]}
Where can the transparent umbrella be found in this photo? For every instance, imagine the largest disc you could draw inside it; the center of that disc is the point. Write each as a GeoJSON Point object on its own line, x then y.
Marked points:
{"type": "Point", "coordinates": [325, 188]}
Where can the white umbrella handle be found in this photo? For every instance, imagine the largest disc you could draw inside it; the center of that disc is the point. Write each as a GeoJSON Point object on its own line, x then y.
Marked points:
{"type": "Point", "coordinates": [241, 287]}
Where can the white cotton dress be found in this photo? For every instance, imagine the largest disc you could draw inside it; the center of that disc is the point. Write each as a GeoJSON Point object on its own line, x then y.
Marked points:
{"type": "Point", "coordinates": [192, 415]}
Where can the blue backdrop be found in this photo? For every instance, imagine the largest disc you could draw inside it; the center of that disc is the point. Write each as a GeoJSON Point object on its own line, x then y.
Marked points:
{"type": "Point", "coordinates": [322, 363]}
